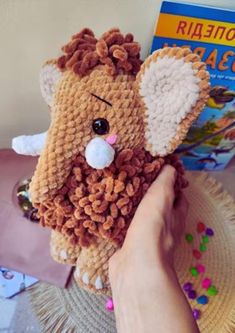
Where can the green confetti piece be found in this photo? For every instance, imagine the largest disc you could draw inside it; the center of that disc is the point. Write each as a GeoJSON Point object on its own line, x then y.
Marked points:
{"type": "Point", "coordinates": [212, 291]}
{"type": "Point", "coordinates": [194, 271]}
{"type": "Point", "coordinates": [203, 247]}
{"type": "Point", "coordinates": [205, 239]}
{"type": "Point", "coordinates": [189, 238]}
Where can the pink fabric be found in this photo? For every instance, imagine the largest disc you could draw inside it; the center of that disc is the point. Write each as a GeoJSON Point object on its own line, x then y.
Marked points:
{"type": "Point", "coordinates": [24, 246]}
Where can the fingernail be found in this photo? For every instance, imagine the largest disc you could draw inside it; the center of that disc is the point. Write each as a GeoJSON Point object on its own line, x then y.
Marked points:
{"type": "Point", "coordinates": [174, 173]}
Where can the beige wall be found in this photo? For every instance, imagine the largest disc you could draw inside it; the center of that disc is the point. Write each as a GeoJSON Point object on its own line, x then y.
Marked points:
{"type": "Point", "coordinates": [33, 30]}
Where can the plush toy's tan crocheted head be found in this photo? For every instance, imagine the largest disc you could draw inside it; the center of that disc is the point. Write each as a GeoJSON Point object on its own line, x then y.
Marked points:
{"type": "Point", "coordinates": [115, 120]}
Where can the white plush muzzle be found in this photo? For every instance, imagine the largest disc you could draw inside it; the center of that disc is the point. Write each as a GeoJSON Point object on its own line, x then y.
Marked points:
{"type": "Point", "coordinates": [99, 154]}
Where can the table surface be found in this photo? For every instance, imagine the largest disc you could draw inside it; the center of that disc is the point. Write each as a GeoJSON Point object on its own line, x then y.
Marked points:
{"type": "Point", "coordinates": [226, 177]}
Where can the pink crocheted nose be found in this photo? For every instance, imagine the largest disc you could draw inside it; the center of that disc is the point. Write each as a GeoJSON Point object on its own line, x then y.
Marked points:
{"type": "Point", "coordinates": [111, 139]}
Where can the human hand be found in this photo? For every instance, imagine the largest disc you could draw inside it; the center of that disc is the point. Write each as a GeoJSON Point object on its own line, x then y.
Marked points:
{"type": "Point", "coordinates": [156, 227]}
{"type": "Point", "coordinates": [142, 276]}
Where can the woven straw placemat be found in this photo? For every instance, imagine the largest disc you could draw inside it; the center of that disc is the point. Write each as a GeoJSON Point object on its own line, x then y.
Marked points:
{"type": "Point", "coordinates": [75, 310]}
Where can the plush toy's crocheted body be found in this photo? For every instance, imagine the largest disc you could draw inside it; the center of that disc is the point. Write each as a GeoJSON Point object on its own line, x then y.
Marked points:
{"type": "Point", "coordinates": [114, 125]}
{"type": "Point", "coordinates": [91, 213]}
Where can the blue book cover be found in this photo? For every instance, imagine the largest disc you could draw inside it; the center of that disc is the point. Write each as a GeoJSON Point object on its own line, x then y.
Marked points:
{"type": "Point", "coordinates": [209, 32]}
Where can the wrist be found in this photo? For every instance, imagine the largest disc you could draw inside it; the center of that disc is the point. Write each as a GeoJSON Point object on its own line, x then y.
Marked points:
{"type": "Point", "coordinates": [136, 304]}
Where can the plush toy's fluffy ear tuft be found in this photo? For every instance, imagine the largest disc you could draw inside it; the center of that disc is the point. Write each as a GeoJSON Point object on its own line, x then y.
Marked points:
{"type": "Point", "coordinates": [49, 76]}
{"type": "Point", "coordinates": [174, 85]}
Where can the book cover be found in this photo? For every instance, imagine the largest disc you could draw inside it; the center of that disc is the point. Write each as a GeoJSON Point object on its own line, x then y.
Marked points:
{"type": "Point", "coordinates": [209, 32]}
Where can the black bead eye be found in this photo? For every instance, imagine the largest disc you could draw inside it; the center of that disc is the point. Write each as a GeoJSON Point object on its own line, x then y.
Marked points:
{"type": "Point", "coordinates": [100, 126]}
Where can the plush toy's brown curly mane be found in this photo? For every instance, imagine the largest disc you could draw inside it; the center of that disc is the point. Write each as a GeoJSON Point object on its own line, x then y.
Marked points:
{"type": "Point", "coordinates": [101, 203]}
{"type": "Point", "coordinates": [119, 53]}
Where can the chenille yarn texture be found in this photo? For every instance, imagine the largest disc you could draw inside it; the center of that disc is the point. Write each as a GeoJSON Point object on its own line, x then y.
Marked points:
{"type": "Point", "coordinates": [147, 108]}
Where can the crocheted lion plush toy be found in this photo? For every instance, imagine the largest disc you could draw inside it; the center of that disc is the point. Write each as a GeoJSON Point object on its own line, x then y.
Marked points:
{"type": "Point", "coordinates": [115, 122]}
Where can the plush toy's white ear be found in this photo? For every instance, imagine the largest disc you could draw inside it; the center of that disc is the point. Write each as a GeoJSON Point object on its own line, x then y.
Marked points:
{"type": "Point", "coordinates": [49, 76]}
{"type": "Point", "coordinates": [173, 84]}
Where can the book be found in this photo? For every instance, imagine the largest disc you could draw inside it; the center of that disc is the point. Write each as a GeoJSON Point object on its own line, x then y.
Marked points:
{"type": "Point", "coordinates": [210, 33]}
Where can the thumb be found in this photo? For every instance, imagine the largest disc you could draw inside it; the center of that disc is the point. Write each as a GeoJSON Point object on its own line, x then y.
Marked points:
{"type": "Point", "coordinates": [154, 208]}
